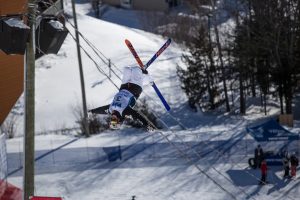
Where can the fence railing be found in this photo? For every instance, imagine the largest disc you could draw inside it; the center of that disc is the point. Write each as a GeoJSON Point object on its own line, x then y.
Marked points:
{"type": "Point", "coordinates": [3, 158]}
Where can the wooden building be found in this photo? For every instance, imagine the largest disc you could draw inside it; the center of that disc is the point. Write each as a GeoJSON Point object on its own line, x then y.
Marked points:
{"type": "Point", "coordinates": [11, 66]}
{"type": "Point", "coordinates": [147, 5]}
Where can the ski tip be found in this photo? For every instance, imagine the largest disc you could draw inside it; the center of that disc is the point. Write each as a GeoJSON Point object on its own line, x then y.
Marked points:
{"type": "Point", "coordinates": [127, 41]}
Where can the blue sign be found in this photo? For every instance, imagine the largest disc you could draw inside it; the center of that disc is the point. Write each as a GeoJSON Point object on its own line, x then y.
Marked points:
{"type": "Point", "coordinates": [271, 131]}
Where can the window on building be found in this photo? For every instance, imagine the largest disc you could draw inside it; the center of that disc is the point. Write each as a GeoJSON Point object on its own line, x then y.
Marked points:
{"type": "Point", "coordinates": [126, 3]}
{"type": "Point", "coordinates": [173, 3]}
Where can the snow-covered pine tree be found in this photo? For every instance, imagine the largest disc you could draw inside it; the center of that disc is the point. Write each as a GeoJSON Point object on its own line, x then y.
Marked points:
{"type": "Point", "coordinates": [200, 78]}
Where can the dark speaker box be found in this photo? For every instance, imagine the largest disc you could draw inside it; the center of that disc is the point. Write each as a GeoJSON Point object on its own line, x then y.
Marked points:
{"type": "Point", "coordinates": [13, 35]}
{"type": "Point", "coordinates": [50, 36]}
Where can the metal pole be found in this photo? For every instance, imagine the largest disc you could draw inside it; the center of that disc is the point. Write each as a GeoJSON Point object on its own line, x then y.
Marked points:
{"type": "Point", "coordinates": [28, 183]}
{"type": "Point", "coordinates": [85, 121]}
{"type": "Point", "coordinates": [109, 66]}
{"type": "Point", "coordinates": [62, 4]}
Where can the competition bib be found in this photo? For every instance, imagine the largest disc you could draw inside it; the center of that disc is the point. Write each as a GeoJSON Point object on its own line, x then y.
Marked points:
{"type": "Point", "coordinates": [121, 101]}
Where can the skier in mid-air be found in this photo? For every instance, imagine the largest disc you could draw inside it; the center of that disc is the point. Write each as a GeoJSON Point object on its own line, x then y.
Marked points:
{"type": "Point", "coordinates": [124, 101]}
{"type": "Point", "coordinates": [130, 90]}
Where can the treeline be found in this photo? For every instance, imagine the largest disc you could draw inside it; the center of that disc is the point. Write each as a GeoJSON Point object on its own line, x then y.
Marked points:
{"type": "Point", "coordinates": [259, 57]}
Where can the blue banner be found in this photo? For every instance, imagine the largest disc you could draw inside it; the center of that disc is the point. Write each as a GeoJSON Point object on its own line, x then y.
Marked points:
{"type": "Point", "coordinates": [271, 131]}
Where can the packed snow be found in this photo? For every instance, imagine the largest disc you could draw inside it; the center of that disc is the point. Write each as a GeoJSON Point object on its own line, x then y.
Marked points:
{"type": "Point", "coordinates": [200, 156]}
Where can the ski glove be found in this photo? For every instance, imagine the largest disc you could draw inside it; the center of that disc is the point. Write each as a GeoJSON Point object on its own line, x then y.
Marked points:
{"type": "Point", "coordinates": [144, 71]}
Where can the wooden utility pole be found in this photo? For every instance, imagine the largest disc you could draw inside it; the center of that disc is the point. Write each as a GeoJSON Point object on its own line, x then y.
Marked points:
{"type": "Point", "coordinates": [28, 183]}
{"type": "Point", "coordinates": [85, 118]}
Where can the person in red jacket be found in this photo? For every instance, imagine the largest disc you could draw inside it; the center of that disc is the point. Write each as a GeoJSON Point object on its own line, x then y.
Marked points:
{"type": "Point", "coordinates": [263, 169]}
{"type": "Point", "coordinates": [294, 163]}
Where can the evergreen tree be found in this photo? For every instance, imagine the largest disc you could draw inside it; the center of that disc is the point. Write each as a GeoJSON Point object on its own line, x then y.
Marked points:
{"type": "Point", "coordinates": [268, 37]}
{"type": "Point", "coordinates": [199, 79]}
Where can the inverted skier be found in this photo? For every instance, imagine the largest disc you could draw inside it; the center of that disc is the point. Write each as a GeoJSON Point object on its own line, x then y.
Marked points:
{"type": "Point", "coordinates": [124, 101]}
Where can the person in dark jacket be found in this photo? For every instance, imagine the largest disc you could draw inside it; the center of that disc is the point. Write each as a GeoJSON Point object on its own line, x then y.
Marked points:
{"type": "Point", "coordinates": [258, 156]}
{"type": "Point", "coordinates": [294, 163]}
{"type": "Point", "coordinates": [286, 166]}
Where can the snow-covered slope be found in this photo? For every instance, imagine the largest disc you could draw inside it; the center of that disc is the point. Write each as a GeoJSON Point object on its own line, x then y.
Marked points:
{"type": "Point", "coordinates": [207, 161]}
{"type": "Point", "coordinates": [194, 164]}
{"type": "Point", "coordinates": [58, 88]}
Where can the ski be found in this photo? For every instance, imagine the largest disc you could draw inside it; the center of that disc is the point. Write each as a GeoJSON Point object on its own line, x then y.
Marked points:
{"type": "Point", "coordinates": [100, 110]}
{"type": "Point", "coordinates": [139, 61]}
{"type": "Point", "coordinates": [161, 96]}
{"type": "Point", "coordinates": [134, 53]}
{"type": "Point", "coordinates": [163, 47]}
{"type": "Point", "coordinates": [137, 58]}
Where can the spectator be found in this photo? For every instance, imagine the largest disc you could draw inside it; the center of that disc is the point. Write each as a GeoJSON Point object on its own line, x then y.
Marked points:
{"type": "Point", "coordinates": [294, 163]}
{"type": "Point", "coordinates": [286, 166]}
{"type": "Point", "coordinates": [258, 156]}
{"type": "Point", "coordinates": [96, 4]}
{"type": "Point", "coordinates": [264, 169]}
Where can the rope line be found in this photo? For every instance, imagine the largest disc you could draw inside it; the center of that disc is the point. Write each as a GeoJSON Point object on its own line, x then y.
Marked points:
{"type": "Point", "coordinates": [184, 155]}
{"type": "Point", "coordinates": [180, 152]}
